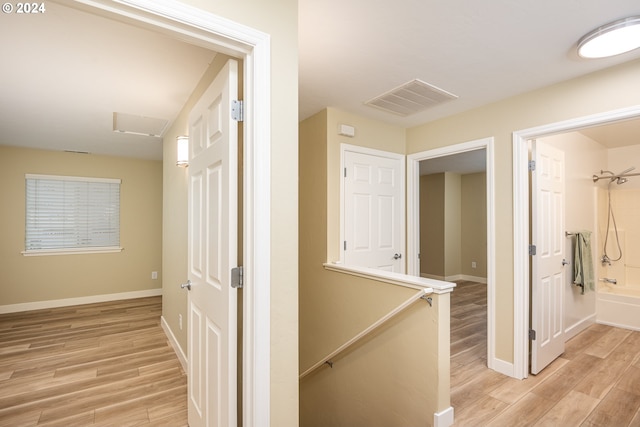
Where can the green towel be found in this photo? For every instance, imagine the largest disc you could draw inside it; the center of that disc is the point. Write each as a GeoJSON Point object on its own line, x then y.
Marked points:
{"type": "Point", "coordinates": [583, 262]}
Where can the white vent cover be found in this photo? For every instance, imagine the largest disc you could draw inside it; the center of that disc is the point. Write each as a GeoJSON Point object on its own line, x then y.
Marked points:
{"type": "Point", "coordinates": [139, 125]}
{"type": "Point", "coordinates": [410, 98]}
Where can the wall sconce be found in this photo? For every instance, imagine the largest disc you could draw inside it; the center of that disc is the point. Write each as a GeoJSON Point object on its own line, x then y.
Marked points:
{"type": "Point", "coordinates": [182, 143]}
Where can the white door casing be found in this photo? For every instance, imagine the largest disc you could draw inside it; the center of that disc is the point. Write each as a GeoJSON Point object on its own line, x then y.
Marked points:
{"type": "Point", "coordinates": [521, 220]}
{"type": "Point", "coordinates": [373, 209]}
{"type": "Point", "coordinates": [548, 270]}
{"type": "Point", "coordinates": [413, 230]}
{"type": "Point", "coordinates": [212, 252]}
{"type": "Point", "coordinates": [217, 33]}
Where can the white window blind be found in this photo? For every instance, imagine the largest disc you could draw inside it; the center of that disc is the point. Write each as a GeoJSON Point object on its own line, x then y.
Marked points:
{"type": "Point", "coordinates": [71, 213]}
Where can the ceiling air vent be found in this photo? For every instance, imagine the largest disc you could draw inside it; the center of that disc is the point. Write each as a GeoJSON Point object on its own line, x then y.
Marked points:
{"type": "Point", "coordinates": [411, 98]}
{"type": "Point", "coordinates": [139, 125]}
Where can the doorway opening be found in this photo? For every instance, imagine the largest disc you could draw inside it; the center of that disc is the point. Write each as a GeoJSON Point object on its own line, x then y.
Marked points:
{"type": "Point", "coordinates": [204, 29]}
{"type": "Point", "coordinates": [450, 163]}
{"type": "Point", "coordinates": [522, 223]}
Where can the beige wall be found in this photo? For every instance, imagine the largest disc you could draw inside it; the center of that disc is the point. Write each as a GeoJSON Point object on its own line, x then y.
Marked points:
{"type": "Point", "coordinates": [432, 225]}
{"type": "Point", "coordinates": [370, 134]}
{"type": "Point", "coordinates": [45, 278]}
{"type": "Point", "coordinates": [279, 20]}
{"type": "Point", "coordinates": [474, 224]}
{"type": "Point", "coordinates": [595, 93]}
{"type": "Point", "coordinates": [334, 307]}
{"type": "Point", "coordinates": [453, 225]}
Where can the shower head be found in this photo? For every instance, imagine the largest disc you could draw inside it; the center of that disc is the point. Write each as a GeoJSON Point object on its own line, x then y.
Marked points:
{"type": "Point", "coordinates": [620, 179]}
{"type": "Point", "coordinates": [627, 170]}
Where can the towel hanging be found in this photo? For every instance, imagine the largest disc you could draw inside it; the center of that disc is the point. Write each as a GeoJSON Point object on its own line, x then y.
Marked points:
{"type": "Point", "coordinates": [583, 262]}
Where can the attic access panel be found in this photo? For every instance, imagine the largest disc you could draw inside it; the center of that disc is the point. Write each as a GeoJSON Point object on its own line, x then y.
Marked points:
{"type": "Point", "coordinates": [139, 125]}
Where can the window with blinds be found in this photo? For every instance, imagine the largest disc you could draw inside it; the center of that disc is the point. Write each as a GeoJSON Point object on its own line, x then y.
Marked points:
{"type": "Point", "coordinates": [71, 214]}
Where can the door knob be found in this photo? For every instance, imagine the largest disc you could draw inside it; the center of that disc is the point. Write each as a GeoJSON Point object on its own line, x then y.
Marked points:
{"type": "Point", "coordinates": [565, 262]}
{"type": "Point", "coordinates": [186, 285]}
{"type": "Point", "coordinates": [397, 256]}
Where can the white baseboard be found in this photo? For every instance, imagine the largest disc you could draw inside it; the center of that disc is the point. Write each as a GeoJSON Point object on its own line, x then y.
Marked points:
{"type": "Point", "coordinates": [39, 305]}
{"type": "Point", "coordinates": [476, 279]}
{"type": "Point", "coordinates": [443, 418]}
{"type": "Point", "coordinates": [578, 327]}
{"type": "Point", "coordinates": [501, 366]}
{"type": "Point", "coordinates": [174, 343]}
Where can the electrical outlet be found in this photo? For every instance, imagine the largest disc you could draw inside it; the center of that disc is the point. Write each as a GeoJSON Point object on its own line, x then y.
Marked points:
{"type": "Point", "coordinates": [154, 275]}
{"type": "Point", "coordinates": [473, 264]}
{"type": "Point", "coordinates": [180, 321]}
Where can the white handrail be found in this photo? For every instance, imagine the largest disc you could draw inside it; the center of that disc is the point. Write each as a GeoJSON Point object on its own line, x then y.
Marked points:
{"type": "Point", "coordinates": [368, 330]}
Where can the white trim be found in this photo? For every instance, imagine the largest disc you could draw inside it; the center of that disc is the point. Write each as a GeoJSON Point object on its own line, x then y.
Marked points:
{"type": "Point", "coordinates": [399, 279]}
{"type": "Point", "coordinates": [521, 221]}
{"type": "Point", "coordinates": [72, 251]}
{"type": "Point", "coordinates": [210, 31]}
{"type": "Point", "coordinates": [344, 147]}
{"type": "Point", "coordinates": [72, 178]}
{"type": "Point", "coordinates": [578, 327]}
{"type": "Point", "coordinates": [66, 302]}
{"type": "Point", "coordinates": [503, 367]}
{"type": "Point", "coordinates": [413, 223]}
{"type": "Point", "coordinates": [182, 358]}
{"type": "Point", "coordinates": [443, 418]}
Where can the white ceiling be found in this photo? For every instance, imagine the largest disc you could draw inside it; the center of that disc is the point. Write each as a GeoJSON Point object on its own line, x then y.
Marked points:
{"type": "Point", "coordinates": [65, 72]}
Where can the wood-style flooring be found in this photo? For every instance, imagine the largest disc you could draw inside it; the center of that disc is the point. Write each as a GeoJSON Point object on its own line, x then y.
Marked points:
{"type": "Point", "coordinates": [106, 364]}
{"type": "Point", "coordinates": [596, 382]}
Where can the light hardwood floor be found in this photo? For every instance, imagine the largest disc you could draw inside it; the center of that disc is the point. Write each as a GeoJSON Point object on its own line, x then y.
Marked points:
{"type": "Point", "coordinates": [106, 364]}
{"type": "Point", "coordinates": [596, 382]}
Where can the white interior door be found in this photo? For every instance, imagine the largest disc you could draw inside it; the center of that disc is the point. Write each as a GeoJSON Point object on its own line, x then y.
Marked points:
{"type": "Point", "coordinates": [548, 270]}
{"type": "Point", "coordinates": [212, 252]}
{"type": "Point", "coordinates": [374, 219]}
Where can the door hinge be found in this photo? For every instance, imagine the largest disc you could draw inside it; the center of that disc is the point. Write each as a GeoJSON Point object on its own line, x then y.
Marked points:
{"type": "Point", "coordinates": [345, 245]}
{"type": "Point", "coordinates": [532, 250]}
{"type": "Point", "coordinates": [532, 165]}
{"type": "Point", "coordinates": [237, 110]}
{"type": "Point", "coordinates": [236, 277]}
{"type": "Point", "coordinates": [345, 172]}
{"type": "Point", "coordinates": [532, 335]}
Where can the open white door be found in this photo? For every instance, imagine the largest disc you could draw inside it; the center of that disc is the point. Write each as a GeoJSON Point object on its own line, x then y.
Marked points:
{"type": "Point", "coordinates": [373, 204]}
{"type": "Point", "coordinates": [212, 252]}
{"type": "Point", "coordinates": [548, 270]}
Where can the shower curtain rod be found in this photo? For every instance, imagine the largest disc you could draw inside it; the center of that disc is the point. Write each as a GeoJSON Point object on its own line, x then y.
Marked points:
{"type": "Point", "coordinates": [596, 177]}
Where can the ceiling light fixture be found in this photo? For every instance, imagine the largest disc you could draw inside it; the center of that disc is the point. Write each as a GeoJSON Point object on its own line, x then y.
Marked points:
{"type": "Point", "coordinates": [182, 156]}
{"type": "Point", "coordinates": [611, 39]}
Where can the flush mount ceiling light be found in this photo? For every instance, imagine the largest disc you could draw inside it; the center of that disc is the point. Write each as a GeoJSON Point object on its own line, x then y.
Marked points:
{"type": "Point", "coordinates": [611, 39]}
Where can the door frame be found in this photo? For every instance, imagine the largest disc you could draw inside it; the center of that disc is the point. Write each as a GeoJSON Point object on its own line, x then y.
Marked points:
{"type": "Point", "coordinates": [413, 225]}
{"type": "Point", "coordinates": [204, 29]}
{"type": "Point", "coordinates": [521, 222]}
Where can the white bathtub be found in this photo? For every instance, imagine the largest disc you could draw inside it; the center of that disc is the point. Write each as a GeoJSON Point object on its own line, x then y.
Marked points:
{"type": "Point", "coordinates": [618, 306]}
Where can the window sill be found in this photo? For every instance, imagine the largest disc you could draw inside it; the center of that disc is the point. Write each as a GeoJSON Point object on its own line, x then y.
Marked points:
{"type": "Point", "coordinates": [431, 285]}
{"type": "Point", "coordinates": [46, 252]}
